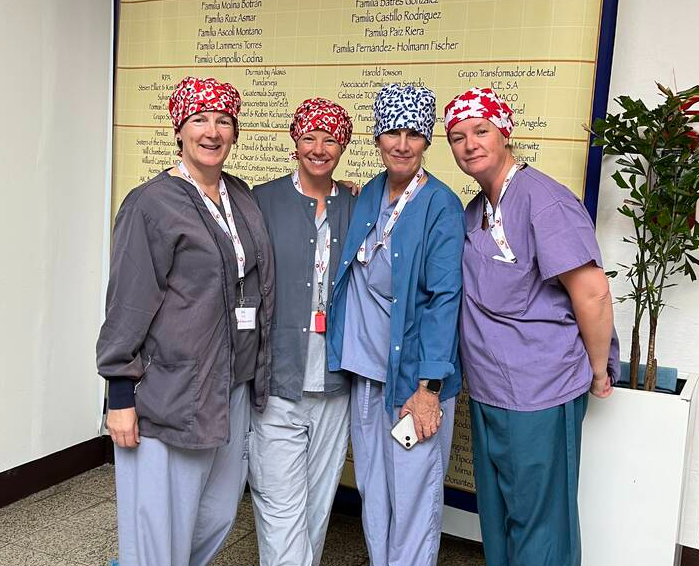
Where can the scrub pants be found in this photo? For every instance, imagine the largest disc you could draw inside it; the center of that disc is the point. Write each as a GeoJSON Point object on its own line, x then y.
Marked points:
{"type": "Point", "coordinates": [526, 467]}
{"type": "Point", "coordinates": [297, 451]}
{"type": "Point", "coordinates": [402, 490]}
{"type": "Point", "coordinates": [175, 506]}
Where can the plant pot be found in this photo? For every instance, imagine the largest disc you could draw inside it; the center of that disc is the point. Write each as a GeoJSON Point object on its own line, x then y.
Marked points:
{"type": "Point", "coordinates": [639, 477]}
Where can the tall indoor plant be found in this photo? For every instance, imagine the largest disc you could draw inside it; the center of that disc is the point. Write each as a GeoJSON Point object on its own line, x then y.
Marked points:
{"type": "Point", "coordinates": [657, 152]}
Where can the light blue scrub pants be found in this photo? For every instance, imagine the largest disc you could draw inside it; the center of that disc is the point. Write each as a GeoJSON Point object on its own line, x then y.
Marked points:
{"type": "Point", "coordinates": [526, 467]}
{"type": "Point", "coordinates": [402, 490]}
{"type": "Point", "coordinates": [297, 452]}
{"type": "Point", "coordinates": [175, 506]}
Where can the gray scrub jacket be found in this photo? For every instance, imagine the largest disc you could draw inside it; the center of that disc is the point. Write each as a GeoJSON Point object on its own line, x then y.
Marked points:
{"type": "Point", "coordinates": [290, 218]}
{"type": "Point", "coordinates": [171, 310]}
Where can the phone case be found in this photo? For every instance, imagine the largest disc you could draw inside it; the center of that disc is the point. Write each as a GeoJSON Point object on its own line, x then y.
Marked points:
{"type": "Point", "coordinates": [404, 432]}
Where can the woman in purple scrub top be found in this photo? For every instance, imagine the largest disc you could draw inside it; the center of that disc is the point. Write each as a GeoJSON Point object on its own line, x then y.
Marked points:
{"type": "Point", "coordinates": [536, 337]}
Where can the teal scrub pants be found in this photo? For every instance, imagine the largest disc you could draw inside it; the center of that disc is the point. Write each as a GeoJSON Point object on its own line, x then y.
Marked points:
{"type": "Point", "coordinates": [526, 468]}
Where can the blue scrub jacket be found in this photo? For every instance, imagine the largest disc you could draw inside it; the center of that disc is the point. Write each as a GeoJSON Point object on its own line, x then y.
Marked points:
{"type": "Point", "coordinates": [426, 247]}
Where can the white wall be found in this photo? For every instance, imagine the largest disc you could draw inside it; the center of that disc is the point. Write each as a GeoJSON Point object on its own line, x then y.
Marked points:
{"type": "Point", "coordinates": [655, 41]}
{"type": "Point", "coordinates": [55, 97]}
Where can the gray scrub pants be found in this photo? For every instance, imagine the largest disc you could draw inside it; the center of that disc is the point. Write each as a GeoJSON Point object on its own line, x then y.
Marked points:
{"type": "Point", "coordinates": [297, 451]}
{"type": "Point", "coordinates": [175, 506]}
{"type": "Point", "coordinates": [402, 490]}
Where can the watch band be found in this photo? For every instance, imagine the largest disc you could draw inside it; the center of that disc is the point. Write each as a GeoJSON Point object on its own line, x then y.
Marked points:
{"type": "Point", "coordinates": [432, 385]}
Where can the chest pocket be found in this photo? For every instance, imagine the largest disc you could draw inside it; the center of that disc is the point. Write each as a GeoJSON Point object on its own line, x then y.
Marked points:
{"type": "Point", "coordinates": [498, 287]}
{"type": "Point", "coordinates": [379, 277]}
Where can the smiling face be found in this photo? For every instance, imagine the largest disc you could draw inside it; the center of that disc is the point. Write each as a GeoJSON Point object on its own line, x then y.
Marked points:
{"type": "Point", "coordinates": [401, 153]}
{"type": "Point", "coordinates": [207, 138]}
{"type": "Point", "coordinates": [480, 149]}
{"type": "Point", "coordinates": [319, 153]}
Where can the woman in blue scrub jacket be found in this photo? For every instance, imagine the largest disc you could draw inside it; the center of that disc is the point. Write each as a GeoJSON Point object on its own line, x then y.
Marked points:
{"type": "Point", "coordinates": [393, 324]}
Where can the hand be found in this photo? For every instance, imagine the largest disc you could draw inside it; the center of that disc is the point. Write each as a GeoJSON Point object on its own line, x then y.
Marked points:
{"type": "Point", "coordinates": [601, 386]}
{"type": "Point", "coordinates": [424, 406]}
{"type": "Point", "coordinates": [123, 427]}
{"type": "Point", "coordinates": [354, 188]}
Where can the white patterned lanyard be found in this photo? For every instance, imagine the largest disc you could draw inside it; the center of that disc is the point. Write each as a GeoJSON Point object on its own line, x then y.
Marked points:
{"type": "Point", "coordinates": [229, 227]}
{"type": "Point", "coordinates": [321, 261]}
{"type": "Point", "coordinates": [495, 219]}
{"type": "Point", "coordinates": [362, 256]}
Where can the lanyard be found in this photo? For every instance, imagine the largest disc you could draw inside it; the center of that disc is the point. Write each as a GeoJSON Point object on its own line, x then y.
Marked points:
{"type": "Point", "coordinates": [402, 201]}
{"type": "Point", "coordinates": [228, 228]}
{"type": "Point", "coordinates": [495, 218]}
{"type": "Point", "coordinates": [322, 260]}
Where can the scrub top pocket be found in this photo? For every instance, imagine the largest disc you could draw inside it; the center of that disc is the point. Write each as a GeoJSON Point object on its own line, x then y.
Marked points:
{"type": "Point", "coordinates": [499, 287]}
{"type": "Point", "coordinates": [380, 278]}
{"type": "Point", "coordinates": [166, 394]}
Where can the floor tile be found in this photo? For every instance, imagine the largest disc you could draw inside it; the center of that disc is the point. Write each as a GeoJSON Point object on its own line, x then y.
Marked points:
{"type": "Point", "coordinates": [241, 553]}
{"type": "Point", "coordinates": [102, 515]}
{"type": "Point", "coordinates": [75, 524]}
{"type": "Point", "coordinates": [244, 522]}
{"type": "Point", "coordinates": [23, 518]}
{"type": "Point", "coordinates": [344, 543]}
{"type": "Point", "coordinates": [75, 542]}
{"type": "Point", "coordinates": [98, 482]}
{"type": "Point", "coordinates": [458, 552]}
{"type": "Point", "coordinates": [13, 555]}
{"type": "Point", "coordinates": [97, 549]}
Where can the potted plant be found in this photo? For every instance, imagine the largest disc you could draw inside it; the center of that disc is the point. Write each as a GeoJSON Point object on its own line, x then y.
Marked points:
{"type": "Point", "coordinates": [639, 473]}
{"type": "Point", "coordinates": [657, 152]}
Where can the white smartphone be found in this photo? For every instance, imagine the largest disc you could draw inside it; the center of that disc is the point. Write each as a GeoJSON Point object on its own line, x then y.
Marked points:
{"type": "Point", "coordinates": [404, 431]}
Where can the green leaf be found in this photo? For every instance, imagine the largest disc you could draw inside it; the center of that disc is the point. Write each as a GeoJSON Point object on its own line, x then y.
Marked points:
{"type": "Point", "coordinates": [620, 181]}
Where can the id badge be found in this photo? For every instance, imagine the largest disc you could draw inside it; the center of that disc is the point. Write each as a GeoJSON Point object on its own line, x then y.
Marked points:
{"type": "Point", "coordinates": [245, 317]}
{"type": "Point", "coordinates": [317, 322]}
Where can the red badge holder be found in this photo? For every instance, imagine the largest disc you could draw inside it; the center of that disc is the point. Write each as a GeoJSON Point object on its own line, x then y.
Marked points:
{"type": "Point", "coordinates": [320, 321]}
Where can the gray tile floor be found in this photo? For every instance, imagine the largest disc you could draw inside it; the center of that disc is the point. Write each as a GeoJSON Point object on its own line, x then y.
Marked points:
{"type": "Point", "coordinates": [74, 524]}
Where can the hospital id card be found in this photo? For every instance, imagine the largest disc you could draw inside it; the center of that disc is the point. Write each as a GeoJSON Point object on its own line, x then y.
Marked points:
{"type": "Point", "coordinates": [245, 317]}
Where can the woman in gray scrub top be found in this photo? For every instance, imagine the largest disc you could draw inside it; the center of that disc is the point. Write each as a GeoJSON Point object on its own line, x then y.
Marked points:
{"type": "Point", "coordinates": [536, 329]}
{"type": "Point", "coordinates": [185, 342]}
{"type": "Point", "coordinates": [393, 325]}
{"type": "Point", "coordinates": [298, 445]}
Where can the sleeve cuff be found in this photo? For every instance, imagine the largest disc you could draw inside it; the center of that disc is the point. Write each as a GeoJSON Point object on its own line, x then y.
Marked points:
{"type": "Point", "coordinates": [121, 393]}
{"type": "Point", "coordinates": [435, 370]}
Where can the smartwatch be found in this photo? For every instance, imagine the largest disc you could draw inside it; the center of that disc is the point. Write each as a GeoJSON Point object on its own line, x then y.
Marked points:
{"type": "Point", "coordinates": [432, 385]}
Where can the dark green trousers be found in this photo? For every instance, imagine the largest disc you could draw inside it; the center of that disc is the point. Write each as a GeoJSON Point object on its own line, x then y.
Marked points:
{"type": "Point", "coordinates": [526, 467]}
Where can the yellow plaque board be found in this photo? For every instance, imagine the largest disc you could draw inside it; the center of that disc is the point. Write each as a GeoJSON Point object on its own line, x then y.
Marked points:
{"type": "Point", "coordinates": [540, 55]}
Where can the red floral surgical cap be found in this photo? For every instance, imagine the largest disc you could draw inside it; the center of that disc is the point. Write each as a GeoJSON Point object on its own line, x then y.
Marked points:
{"type": "Point", "coordinates": [479, 103]}
{"type": "Point", "coordinates": [193, 95]}
{"type": "Point", "coordinates": [321, 114]}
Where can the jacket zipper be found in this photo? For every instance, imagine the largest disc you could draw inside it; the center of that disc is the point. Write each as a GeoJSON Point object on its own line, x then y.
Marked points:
{"type": "Point", "coordinates": [135, 388]}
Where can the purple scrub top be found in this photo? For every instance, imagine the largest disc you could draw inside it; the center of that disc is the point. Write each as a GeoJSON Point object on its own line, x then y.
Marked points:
{"type": "Point", "coordinates": [520, 344]}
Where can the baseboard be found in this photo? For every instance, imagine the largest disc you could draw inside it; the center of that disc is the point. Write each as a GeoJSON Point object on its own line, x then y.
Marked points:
{"type": "Point", "coordinates": [690, 556]}
{"type": "Point", "coordinates": [45, 472]}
